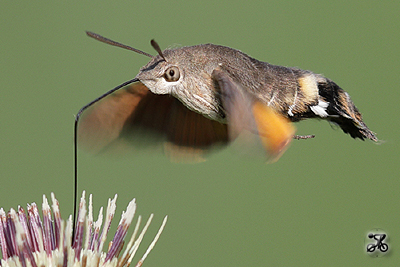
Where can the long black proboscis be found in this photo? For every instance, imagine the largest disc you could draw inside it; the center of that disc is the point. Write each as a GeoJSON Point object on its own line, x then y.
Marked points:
{"type": "Point", "coordinates": [78, 115]}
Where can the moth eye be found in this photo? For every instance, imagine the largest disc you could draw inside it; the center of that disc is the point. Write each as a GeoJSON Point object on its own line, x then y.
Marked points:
{"type": "Point", "coordinates": [172, 74]}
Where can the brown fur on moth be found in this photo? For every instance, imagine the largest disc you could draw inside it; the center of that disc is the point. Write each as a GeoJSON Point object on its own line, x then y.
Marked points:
{"type": "Point", "coordinates": [191, 99]}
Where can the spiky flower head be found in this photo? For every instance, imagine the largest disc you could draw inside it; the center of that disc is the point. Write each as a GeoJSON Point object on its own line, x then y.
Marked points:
{"type": "Point", "coordinates": [26, 240]}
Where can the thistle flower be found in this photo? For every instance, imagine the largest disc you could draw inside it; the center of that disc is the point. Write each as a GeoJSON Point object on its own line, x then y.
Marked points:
{"type": "Point", "coordinates": [28, 241]}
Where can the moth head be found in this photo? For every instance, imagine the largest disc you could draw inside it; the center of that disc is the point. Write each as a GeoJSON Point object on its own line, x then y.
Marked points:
{"type": "Point", "coordinates": [163, 74]}
{"type": "Point", "coordinates": [177, 72]}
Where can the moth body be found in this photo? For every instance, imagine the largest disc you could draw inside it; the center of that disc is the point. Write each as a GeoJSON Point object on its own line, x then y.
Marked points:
{"type": "Point", "coordinates": [196, 97]}
{"type": "Point", "coordinates": [296, 94]}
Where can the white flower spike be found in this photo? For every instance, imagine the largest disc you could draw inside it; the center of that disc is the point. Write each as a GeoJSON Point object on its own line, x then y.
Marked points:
{"type": "Point", "coordinates": [28, 241]}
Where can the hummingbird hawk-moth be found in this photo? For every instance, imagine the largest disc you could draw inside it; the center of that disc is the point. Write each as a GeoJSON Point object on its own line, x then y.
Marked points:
{"type": "Point", "coordinates": [191, 99]}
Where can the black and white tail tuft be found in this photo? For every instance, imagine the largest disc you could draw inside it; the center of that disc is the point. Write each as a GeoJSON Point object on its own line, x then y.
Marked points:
{"type": "Point", "coordinates": [342, 111]}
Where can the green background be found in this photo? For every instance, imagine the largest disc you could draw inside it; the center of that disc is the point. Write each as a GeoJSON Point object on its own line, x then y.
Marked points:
{"type": "Point", "coordinates": [313, 207]}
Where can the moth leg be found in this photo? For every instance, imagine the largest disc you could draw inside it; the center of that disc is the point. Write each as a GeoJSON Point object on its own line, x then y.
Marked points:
{"type": "Point", "coordinates": [302, 137]}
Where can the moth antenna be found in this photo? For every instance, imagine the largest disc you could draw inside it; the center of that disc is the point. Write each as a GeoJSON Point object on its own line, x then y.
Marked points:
{"type": "Point", "coordinates": [157, 48]}
{"type": "Point", "coordinates": [114, 43]}
{"type": "Point", "coordinates": [78, 115]}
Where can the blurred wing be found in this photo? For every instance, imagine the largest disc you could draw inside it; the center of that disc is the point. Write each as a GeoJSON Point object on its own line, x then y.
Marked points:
{"type": "Point", "coordinates": [134, 118]}
{"type": "Point", "coordinates": [252, 122]}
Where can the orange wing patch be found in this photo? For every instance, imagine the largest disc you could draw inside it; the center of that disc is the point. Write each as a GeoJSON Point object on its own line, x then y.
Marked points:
{"type": "Point", "coordinates": [275, 131]}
